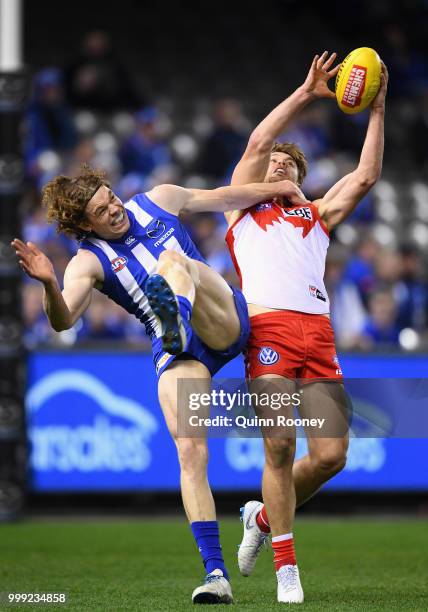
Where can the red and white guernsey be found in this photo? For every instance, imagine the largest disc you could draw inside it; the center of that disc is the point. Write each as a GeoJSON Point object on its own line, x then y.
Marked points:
{"type": "Point", "coordinates": [279, 254]}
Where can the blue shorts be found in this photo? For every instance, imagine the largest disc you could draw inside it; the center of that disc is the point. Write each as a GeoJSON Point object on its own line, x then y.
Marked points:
{"type": "Point", "coordinates": [198, 350]}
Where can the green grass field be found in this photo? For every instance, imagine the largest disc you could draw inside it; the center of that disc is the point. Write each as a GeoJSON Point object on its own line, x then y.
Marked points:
{"type": "Point", "coordinates": [153, 565]}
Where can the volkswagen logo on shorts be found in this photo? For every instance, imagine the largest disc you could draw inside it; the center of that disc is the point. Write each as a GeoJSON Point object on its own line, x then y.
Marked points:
{"type": "Point", "coordinates": [268, 356]}
{"type": "Point", "coordinates": [155, 229]}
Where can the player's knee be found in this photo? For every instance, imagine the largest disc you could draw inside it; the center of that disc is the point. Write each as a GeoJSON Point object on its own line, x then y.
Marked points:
{"type": "Point", "coordinates": [279, 452]}
{"type": "Point", "coordinates": [192, 454]}
{"type": "Point", "coordinates": [330, 460]}
{"type": "Point", "coordinates": [170, 257]}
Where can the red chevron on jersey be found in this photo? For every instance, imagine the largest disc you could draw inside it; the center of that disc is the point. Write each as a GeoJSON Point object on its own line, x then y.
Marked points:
{"type": "Point", "coordinates": [279, 253]}
{"type": "Point", "coordinates": [266, 214]}
{"type": "Point", "coordinates": [300, 217]}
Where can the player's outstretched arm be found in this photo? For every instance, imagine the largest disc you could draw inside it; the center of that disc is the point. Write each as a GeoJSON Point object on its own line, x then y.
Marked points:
{"type": "Point", "coordinates": [343, 197]}
{"type": "Point", "coordinates": [180, 200]}
{"type": "Point", "coordinates": [62, 309]}
{"type": "Point", "coordinates": [253, 164]}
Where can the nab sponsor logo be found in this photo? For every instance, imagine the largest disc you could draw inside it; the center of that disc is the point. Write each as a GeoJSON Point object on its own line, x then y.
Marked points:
{"type": "Point", "coordinates": [118, 264]}
{"type": "Point", "coordinates": [267, 356]}
{"type": "Point", "coordinates": [303, 212]}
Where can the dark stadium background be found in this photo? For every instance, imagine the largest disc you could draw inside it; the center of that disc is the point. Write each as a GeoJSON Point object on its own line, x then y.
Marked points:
{"type": "Point", "coordinates": [195, 83]}
{"type": "Point", "coordinates": [193, 79]}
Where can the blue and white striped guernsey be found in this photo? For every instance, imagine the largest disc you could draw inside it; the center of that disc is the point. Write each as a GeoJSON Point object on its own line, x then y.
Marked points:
{"type": "Point", "coordinates": [129, 260]}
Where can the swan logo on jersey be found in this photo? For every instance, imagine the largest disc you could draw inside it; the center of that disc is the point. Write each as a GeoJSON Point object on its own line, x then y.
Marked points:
{"type": "Point", "coordinates": [267, 356]}
{"type": "Point", "coordinates": [156, 229]}
{"type": "Point", "coordinates": [118, 263]}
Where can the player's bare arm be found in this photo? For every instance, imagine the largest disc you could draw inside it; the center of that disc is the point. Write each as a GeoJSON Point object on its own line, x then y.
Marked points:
{"type": "Point", "coordinates": [253, 165]}
{"type": "Point", "coordinates": [180, 200]}
{"type": "Point", "coordinates": [343, 197]}
{"type": "Point", "coordinates": [82, 273]}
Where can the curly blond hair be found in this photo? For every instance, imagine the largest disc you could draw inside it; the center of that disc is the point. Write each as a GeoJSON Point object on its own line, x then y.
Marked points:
{"type": "Point", "coordinates": [66, 198]}
{"type": "Point", "coordinates": [297, 154]}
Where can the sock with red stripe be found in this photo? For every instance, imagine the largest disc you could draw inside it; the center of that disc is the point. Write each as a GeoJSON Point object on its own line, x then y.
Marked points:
{"type": "Point", "coordinates": [283, 550]}
{"type": "Point", "coordinates": [263, 521]}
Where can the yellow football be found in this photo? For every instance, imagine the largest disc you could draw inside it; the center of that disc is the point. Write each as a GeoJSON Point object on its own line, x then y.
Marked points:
{"type": "Point", "coordinates": [358, 80]}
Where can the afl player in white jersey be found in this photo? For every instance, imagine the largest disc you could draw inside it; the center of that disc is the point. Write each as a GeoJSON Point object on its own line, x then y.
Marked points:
{"type": "Point", "coordinates": [279, 252]}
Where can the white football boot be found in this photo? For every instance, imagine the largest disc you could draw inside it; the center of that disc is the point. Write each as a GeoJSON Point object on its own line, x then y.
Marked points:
{"type": "Point", "coordinates": [289, 587]}
{"type": "Point", "coordinates": [253, 538]}
{"type": "Point", "coordinates": [215, 590]}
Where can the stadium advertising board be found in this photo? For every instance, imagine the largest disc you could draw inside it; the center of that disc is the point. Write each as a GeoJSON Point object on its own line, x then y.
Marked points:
{"type": "Point", "coordinates": [94, 423]}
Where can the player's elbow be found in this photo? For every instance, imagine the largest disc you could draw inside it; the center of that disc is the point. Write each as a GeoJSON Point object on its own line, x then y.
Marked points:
{"type": "Point", "coordinates": [259, 144]}
{"type": "Point", "coordinates": [367, 179]}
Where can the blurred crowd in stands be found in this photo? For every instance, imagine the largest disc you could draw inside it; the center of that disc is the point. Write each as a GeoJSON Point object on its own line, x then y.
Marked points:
{"type": "Point", "coordinates": [95, 111]}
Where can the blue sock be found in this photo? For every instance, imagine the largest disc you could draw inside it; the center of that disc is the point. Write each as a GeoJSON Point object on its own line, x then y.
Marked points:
{"type": "Point", "coordinates": [207, 538]}
{"type": "Point", "coordinates": [185, 307]}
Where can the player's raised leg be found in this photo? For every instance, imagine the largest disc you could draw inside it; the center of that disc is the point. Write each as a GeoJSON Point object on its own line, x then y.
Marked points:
{"type": "Point", "coordinates": [185, 289]}
{"type": "Point", "coordinates": [196, 493]}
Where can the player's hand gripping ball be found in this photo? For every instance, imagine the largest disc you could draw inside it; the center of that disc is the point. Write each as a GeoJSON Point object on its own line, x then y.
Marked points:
{"type": "Point", "coordinates": [358, 80]}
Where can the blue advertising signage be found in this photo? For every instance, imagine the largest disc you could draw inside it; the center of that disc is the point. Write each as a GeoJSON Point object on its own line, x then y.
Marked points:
{"type": "Point", "coordinates": [95, 424]}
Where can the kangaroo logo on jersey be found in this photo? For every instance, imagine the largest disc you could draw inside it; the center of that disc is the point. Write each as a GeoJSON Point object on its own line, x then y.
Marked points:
{"type": "Point", "coordinates": [118, 263]}
{"type": "Point", "coordinates": [267, 356]}
{"type": "Point", "coordinates": [155, 229]}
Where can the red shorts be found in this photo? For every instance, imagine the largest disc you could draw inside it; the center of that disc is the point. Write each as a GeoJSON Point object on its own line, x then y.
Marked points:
{"type": "Point", "coordinates": [292, 344]}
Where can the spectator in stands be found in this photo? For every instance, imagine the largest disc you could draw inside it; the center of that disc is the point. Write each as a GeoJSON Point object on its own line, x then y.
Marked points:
{"type": "Point", "coordinates": [225, 144]}
{"type": "Point", "coordinates": [412, 290]}
{"type": "Point", "coordinates": [101, 321]}
{"type": "Point", "coordinates": [418, 132]}
{"type": "Point", "coordinates": [348, 315]}
{"type": "Point", "coordinates": [98, 80]}
{"type": "Point", "coordinates": [37, 330]}
{"type": "Point", "coordinates": [310, 132]}
{"type": "Point", "coordinates": [408, 69]}
{"type": "Point", "coordinates": [144, 152]}
{"type": "Point", "coordinates": [381, 327]}
{"type": "Point", "coordinates": [360, 268]}
{"type": "Point", "coordinates": [50, 124]}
